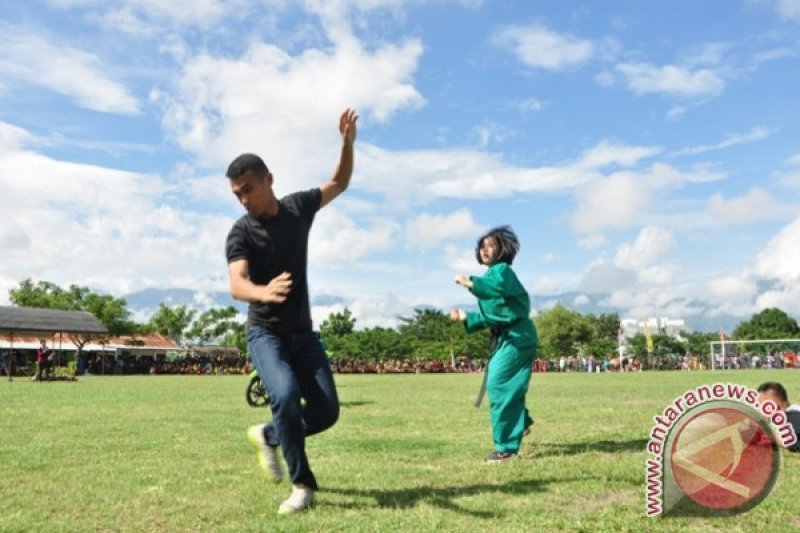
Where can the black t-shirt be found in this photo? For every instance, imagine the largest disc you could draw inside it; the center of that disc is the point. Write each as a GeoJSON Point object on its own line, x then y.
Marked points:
{"type": "Point", "coordinates": [275, 245]}
{"type": "Point", "coordinates": [793, 416]}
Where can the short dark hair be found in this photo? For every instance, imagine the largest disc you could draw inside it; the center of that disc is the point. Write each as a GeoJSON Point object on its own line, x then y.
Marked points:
{"type": "Point", "coordinates": [507, 243]}
{"type": "Point", "coordinates": [777, 388]}
{"type": "Point", "coordinates": [246, 162]}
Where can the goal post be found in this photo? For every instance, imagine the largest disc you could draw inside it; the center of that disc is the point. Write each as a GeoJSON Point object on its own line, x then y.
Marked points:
{"type": "Point", "coordinates": [723, 348]}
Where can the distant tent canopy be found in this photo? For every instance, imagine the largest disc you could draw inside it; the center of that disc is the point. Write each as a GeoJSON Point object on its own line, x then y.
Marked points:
{"type": "Point", "coordinates": [35, 320]}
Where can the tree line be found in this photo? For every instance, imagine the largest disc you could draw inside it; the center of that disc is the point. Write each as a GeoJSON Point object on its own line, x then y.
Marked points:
{"type": "Point", "coordinates": [427, 334]}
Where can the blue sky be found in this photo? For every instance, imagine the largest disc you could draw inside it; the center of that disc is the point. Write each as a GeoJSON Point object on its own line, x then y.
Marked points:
{"type": "Point", "coordinates": [646, 153]}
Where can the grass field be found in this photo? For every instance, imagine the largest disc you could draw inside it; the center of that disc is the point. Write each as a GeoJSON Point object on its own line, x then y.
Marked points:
{"type": "Point", "coordinates": [169, 453]}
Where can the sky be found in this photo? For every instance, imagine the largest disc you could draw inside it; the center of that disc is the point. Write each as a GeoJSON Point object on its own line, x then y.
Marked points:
{"type": "Point", "coordinates": [647, 154]}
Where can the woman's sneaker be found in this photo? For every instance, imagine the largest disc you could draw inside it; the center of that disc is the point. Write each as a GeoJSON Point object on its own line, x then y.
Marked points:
{"type": "Point", "coordinates": [528, 424]}
{"type": "Point", "coordinates": [500, 457]}
{"type": "Point", "coordinates": [300, 499]}
{"type": "Point", "coordinates": [267, 455]}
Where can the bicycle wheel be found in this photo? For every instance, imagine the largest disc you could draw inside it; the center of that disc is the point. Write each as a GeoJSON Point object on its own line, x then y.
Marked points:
{"type": "Point", "coordinates": [256, 395]}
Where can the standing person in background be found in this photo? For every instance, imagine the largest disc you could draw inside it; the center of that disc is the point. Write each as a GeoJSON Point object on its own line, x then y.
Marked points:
{"type": "Point", "coordinates": [504, 306]}
{"type": "Point", "coordinates": [267, 252]}
{"type": "Point", "coordinates": [42, 360]}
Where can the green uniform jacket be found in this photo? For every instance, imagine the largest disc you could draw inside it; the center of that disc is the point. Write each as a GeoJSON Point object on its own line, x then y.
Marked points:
{"type": "Point", "coordinates": [504, 305]}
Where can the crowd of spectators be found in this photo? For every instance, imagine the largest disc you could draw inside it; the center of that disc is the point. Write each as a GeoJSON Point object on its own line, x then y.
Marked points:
{"type": "Point", "coordinates": [352, 365]}
{"type": "Point", "coordinates": [774, 359]}
{"type": "Point", "coordinates": [200, 364]}
{"type": "Point", "coordinates": [218, 364]}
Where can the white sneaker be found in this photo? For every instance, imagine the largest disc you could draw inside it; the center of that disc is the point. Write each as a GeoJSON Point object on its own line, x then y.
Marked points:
{"type": "Point", "coordinates": [300, 498]}
{"type": "Point", "coordinates": [267, 455]}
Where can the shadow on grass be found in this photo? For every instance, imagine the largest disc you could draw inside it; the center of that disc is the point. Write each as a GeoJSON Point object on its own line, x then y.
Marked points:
{"type": "Point", "coordinates": [355, 403]}
{"type": "Point", "coordinates": [442, 497]}
{"type": "Point", "coordinates": [546, 449]}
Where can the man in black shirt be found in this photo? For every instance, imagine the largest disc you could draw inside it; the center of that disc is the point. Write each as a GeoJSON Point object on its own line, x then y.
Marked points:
{"type": "Point", "coordinates": [267, 251]}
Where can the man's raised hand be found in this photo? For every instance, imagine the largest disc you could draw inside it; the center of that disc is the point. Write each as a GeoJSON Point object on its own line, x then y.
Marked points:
{"type": "Point", "coordinates": [347, 126]}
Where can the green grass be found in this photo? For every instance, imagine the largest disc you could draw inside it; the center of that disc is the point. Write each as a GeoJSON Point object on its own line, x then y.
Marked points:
{"type": "Point", "coordinates": [169, 453]}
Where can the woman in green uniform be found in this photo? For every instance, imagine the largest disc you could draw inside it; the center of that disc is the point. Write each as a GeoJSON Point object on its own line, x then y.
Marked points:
{"type": "Point", "coordinates": [504, 306]}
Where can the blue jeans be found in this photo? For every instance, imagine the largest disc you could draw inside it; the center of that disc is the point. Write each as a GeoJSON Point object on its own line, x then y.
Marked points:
{"type": "Point", "coordinates": [293, 366]}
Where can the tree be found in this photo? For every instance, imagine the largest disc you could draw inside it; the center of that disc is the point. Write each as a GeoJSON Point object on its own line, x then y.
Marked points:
{"type": "Point", "coordinates": [381, 343]}
{"type": "Point", "coordinates": [600, 348]}
{"type": "Point", "coordinates": [697, 344]}
{"type": "Point", "coordinates": [771, 323]}
{"type": "Point", "coordinates": [214, 325]}
{"type": "Point", "coordinates": [338, 324]}
{"type": "Point", "coordinates": [562, 331]}
{"type": "Point", "coordinates": [432, 335]}
{"type": "Point", "coordinates": [637, 346]}
{"type": "Point", "coordinates": [111, 312]}
{"type": "Point", "coordinates": [43, 295]}
{"type": "Point", "coordinates": [606, 326]}
{"type": "Point", "coordinates": [171, 321]}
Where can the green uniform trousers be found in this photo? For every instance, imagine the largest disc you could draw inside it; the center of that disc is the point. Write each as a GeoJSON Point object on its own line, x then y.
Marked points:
{"type": "Point", "coordinates": [509, 373]}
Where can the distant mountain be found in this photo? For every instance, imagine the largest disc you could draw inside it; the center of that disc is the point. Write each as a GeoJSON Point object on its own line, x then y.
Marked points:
{"type": "Point", "coordinates": [144, 303]}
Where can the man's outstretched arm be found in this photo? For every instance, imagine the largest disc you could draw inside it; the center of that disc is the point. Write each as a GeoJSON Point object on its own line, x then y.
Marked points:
{"type": "Point", "coordinates": [344, 169]}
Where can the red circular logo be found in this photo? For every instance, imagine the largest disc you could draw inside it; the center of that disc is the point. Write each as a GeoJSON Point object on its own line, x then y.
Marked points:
{"type": "Point", "coordinates": [724, 458]}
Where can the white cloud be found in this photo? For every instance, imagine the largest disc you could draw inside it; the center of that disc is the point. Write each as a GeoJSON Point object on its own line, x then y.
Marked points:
{"type": "Point", "coordinates": [780, 258]}
{"type": "Point", "coordinates": [606, 278]}
{"type": "Point", "coordinates": [428, 231]}
{"type": "Point", "coordinates": [658, 274]}
{"type": "Point", "coordinates": [676, 112]}
{"type": "Point", "coordinates": [530, 105]}
{"type": "Point", "coordinates": [607, 153]}
{"type": "Point", "coordinates": [789, 9]}
{"type": "Point", "coordinates": [421, 175]}
{"type": "Point", "coordinates": [644, 301]}
{"type": "Point", "coordinates": [758, 133]}
{"type": "Point", "coordinates": [490, 133]}
{"type": "Point", "coordinates": [592, 241]}
{"type": "Point", "coordinates": [461, 261]}
{"type": "Point", "coordinates": [26, 59]}
{"type": "Point", "coordinates": [650, 246]}
{"type": "Point", "coordinates": [222, 106]}
{"type": "Point", "coordinates": [773, 54]}
{"type": "Point", "coordinates": [108, 229]}
{"type": "Point", "coordinates": [623, 190]}
{"type": "Point", "coordinates": [539, 47]}
{"type": "Point", "coordinates": [146, 17]}
{"type": "Point", "coordinates": [581, 299]}
{"type": "Point", "coordinates": [757, 204]}
{"type": "Point", "coordinates": [785, 297]}
{"type": "Point", "coordinates": [705, 54]}
{"type": "Point", "coordinates": [630, 192]}
{"type": "Point", "coordinates": [12, 137]}
{"type": "Point", "coordinates": [643, 78]}
{"type": "Point", "coordinates": [732, 291]}
{"type": "Point", "coordinates": [336, 240]}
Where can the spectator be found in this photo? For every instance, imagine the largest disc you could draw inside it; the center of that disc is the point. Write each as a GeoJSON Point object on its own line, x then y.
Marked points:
{"type": "Point", "coordinates": [776, 392]}
{"type": "Point", "coordinates": [42, 360]}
